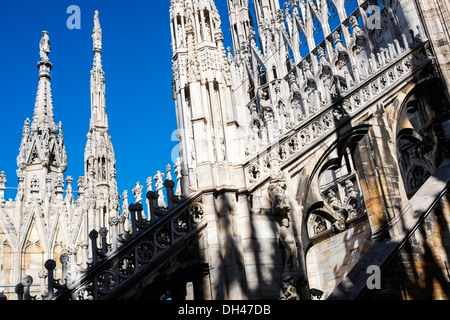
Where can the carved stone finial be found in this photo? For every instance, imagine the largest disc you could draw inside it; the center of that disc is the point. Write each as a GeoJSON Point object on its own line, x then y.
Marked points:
{"type": "Point", "coordinates": [159, 186]}
{"type": "Point", "coordinates": [177, 170]}
{"type": "Point", "coordinates": [169, 174]}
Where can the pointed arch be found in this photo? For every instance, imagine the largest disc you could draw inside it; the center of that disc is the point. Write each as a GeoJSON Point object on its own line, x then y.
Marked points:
{"type": "Point", "coordinates": [34, 219]}
{"type": "Point", "coordinates": [328, 194]}
{"type": "Point", "coordinates": [54, 155]}
{"type": "Point", "coordinates": [58, 248]}
{"type": "Point", "coordinates": [33, 257]}
{"type": "Point", "coordinates": [418, 146]}
{"type": "Point", "coordinates": [328, 175]}
{"type": "Point", "coordinates": [34, 155]}
{"type": "Point", "coordinates": [79, 239]}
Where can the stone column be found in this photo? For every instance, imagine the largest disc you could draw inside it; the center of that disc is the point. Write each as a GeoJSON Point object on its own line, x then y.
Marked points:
{"type": "Point", "coordinates": [222, 248]}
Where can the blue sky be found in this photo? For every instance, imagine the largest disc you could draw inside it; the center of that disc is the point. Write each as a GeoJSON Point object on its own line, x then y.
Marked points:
{"type": "Point", "coordinates": [137, 62]}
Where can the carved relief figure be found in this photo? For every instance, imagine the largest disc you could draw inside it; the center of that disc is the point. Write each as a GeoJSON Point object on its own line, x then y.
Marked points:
{"type": "Point", "coordinates": [319, 225]}
{"type": "Point", "coordinates": [340, 213]}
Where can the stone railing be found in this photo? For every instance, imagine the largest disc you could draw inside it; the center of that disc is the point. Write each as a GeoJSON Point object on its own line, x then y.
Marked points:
{"type": "Point", "coordinates": [147, 244]}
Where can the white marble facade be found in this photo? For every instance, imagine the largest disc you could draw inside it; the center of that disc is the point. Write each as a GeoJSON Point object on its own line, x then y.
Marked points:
{"type": "Point", "coordinates": [275, 138]}
{"type": "Point", "coordinates": [46, 217]}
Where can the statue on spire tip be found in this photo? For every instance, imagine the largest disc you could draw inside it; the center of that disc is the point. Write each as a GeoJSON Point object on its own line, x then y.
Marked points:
{"type": "Point", "coordinates": [97, 33]}
{"type": "Point", "coordinates": [96, 20]}
{"type": "Point", "coordinates": [44, 46]}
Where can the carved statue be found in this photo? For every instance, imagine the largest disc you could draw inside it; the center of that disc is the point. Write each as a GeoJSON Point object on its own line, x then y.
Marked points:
{"type": "Point", "coordinates": [178, 172]}
{"type": "Point", "coordinates": [180, 35]}
{"type": "Point", "coordinates": [216, 19]}
{"type": "Point", "coordinates": [2, 179]}
{"type": "Point", "coordinates": [48, 189]}
{"type": "Point", "coordinates": [290, 292]}
{"type": "Point", "coordinates": [341, 55]}
{"type": "Point", "coordinates": [125, 199]}
{"type": "Point", "coordinates": [359, 36]}
{"type": "Point", "coordinates": [44, 46]}
{"type": "Point", "coordinates": [319, 225]}
{"type": "Point", "coordinates": [340, 212]}
{"type": "Point", "coordinates": [353, 199]}
{"type": "Point", "coordinates": [69, 194]}
{"type": "Point", "coordinates": [137, 191]}
{"type": "Point", "coordinates": [159, 186]}
{"type": "Point", "coordinates": [96, 20]}
{"type": "Point", "coordinates": [309, 77]}
{"type": "Point", "coordinates": [21, 187]}
{"type": "Point", "coordinates": [333, 201]}
{"type": "Point", "coordinates": [281, 207]}
{"type": "Point", "coordinates": [97, 32]}
{"type": "Point", "coordinates": [2, 186]}
{"type": "Point", "coordinates": [288, 240]}
{"type": "Point", "coordinates": [296, 93]}
{"type": "Point", "coordinates": [256, 122]}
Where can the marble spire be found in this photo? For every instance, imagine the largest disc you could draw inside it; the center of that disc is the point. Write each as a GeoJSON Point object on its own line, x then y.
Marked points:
{"type": "Point", "coordinates": [43, 110]}
{"type": "Point", "coordinates": [98, 105]}
{"type": "Point", "coordinates": [42, 155]}
{"type": "Point", "coordinates": [100, 172]}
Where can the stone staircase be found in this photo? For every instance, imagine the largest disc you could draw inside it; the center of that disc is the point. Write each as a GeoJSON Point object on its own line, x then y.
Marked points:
{"type": "Point", "coordinates": [354, 285]}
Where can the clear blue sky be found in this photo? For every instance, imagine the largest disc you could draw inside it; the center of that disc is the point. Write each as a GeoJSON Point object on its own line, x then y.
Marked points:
{"type": "Point", "coordinates": [137, 62]}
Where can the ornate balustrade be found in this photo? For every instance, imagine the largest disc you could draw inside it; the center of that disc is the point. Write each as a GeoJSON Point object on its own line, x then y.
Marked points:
{"type": "Point", "coordinates": [148, 243]}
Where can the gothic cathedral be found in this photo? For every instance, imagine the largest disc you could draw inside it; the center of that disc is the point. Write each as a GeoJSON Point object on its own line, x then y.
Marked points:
{"type": "Point", "coordinates": [314, 164]}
